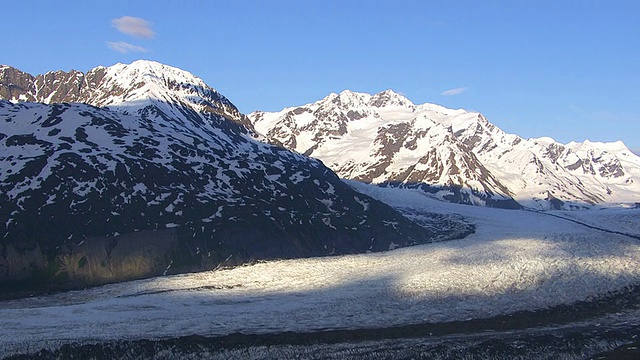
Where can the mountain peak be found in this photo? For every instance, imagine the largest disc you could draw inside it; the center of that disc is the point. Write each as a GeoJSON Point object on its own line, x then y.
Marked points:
{"type": "Point", "coordinates": [145, 79]}
{"type": "Point", "coordinates": [389, 93]}
{"type": "Point", "coordinates": [614, 146]}
{"type": "Point", "coordinates": [125, 87]}
{"type": "Point", "coordinates": [350, 99]}
{"type": "Point", "coordinates": [153, 71]}
{"type": "Point", "coordinates": [545, 140]}
{"type": "Point", "coordinates": [390, 98]}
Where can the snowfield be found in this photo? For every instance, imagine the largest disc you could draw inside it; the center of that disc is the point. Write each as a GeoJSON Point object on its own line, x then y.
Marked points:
{"type": "Point", "coordinates": [614, 219]}
{"type": "Point", "coordinates": [516, 260]}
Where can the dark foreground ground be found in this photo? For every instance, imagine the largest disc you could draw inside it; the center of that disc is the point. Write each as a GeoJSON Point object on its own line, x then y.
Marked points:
{"type": "Point", "coordinates": [604, 328]}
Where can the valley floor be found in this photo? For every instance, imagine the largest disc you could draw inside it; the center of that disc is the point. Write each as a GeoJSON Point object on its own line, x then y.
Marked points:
{"type": "Point", "coordinates": [515, 261]}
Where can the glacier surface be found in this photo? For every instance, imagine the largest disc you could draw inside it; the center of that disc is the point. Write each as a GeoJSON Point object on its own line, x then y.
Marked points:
{"type": "Point", "coordinates": [516, 260]}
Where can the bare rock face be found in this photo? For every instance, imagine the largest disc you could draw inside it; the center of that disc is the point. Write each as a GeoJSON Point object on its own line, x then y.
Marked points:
{"type": "Point", "coordinates": [16, 85]}
{"type": "Point", "coordinates": [148, 171]}
{"type": "Point", "coordinates": [455, 155]}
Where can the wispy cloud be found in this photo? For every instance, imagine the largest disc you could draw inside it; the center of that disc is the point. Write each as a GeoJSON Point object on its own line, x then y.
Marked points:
{"type": "Point", "coordinates": [133, 26]}
{"type": "Point", "coordinates": [125, 47]}
{"type": "Point", "coordinates": [455, 91]}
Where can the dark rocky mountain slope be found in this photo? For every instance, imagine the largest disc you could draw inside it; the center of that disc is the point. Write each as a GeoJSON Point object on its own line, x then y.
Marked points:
{"type": "Point", "coordinates": [148, 171]}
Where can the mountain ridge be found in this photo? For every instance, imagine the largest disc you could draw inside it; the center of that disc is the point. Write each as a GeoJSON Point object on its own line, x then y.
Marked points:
{"type": "Point", "coordinates": [125, 87]}
{"type": "Point", "coordinates": [492, 167]}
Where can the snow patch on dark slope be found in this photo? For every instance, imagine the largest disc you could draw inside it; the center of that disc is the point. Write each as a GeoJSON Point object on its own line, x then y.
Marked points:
{"type": "Point", "coordinates": [456, 155]}
{"type": "Point", "coordinates": [156, 174]}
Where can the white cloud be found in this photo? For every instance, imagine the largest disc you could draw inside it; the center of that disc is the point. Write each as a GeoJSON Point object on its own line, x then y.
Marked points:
{"type": "Point", "coordinates": [136, 27]}
{"type": "Point", "coordinates": [455, 91]}
{"type": "Point", "coordinates": [125, 47]}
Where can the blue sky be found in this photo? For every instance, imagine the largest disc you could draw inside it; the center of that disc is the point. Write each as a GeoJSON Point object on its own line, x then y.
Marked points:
{"type": "Point", "coordinates": [565, 69]}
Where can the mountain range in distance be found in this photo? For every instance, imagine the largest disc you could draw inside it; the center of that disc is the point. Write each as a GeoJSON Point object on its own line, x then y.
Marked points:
{"type": "Point", "coordinates": [455, 155]}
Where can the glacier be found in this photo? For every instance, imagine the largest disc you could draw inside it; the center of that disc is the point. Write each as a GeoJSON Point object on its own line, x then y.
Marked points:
{"type": "Point", "coordinates": [515, 261]}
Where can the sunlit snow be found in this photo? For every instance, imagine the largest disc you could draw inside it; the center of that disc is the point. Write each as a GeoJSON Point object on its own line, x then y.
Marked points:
{"type": "Point", "coordinates": [386, 138]}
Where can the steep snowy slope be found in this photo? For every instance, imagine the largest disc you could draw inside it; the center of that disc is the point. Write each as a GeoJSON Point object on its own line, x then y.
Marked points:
{"type": "Point", "coordinates": [163, 180]}
{"type": "Point", "coordinates": [384, 138]}
{"type": "Point", "coordinates": [547, 174]}
{"type": "Point", "coordinates": [458, 155]}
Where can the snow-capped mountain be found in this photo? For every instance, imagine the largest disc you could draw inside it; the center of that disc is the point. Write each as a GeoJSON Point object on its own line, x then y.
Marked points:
{"type": "Point", "coordinates": [126, 88]}
{"type": "Point", "coordinates": [144, 169]}
{"type": "Point", "coordinates": [456, 154]}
